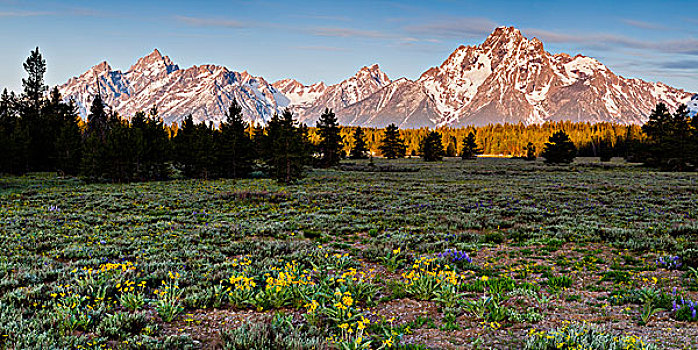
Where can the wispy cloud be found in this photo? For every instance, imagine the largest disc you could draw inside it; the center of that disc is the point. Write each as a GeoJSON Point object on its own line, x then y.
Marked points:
{"type": "Point", "coordinates": [319, 48]}
{"type": "Point", "coordinates": [24, 13]}
{"type": "Point", "coordinates": [210, 22]}
{"type": "Point", "coordinates": [610, 42]}
{"type": "Point", "coordinates": [454, 28]}
{"type": "Point", "coordinates": [347, 32]}
{"type": "Point", "coordinates": [682, 65]}
{"type": "Point", "coordinates": [643, 24]}
{"type": "Point", "coordinates": [324, 18]}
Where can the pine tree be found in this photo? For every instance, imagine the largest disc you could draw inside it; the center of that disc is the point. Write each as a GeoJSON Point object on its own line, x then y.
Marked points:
{"type": "Point", "coordinates": [119, 151]}
{"type": "Point", "coordinates": [12, 145]}
{"type": "Point", "coordinates": [36, 120]}
{"type": "Point", "coordinates": [451, 148]}
{"type": "Point", "coordinates": [330, 145]}
{"type": "Point", "coordinates": [286, 148]}
{"type": "Point", "coordinates": [392, 145]}
{"type": "Point", "coordinates": [470, 149]}
{"type": "Point", "coordinates": [559, 149]}
{"type": "Point", "coordinates": [430, 148]}
{"type": "Point", "coordinates": [668, 137]}
{"type": "Point", "coordinates": [183, 145]}
{"type": "Point", "coordinates": [236, 151]}
{"type": "Point", "coordinates": [360, 149]}
{"type": "Point", "coordinates": [68, 142]}
{"type": "Point", "coordinates": [34, 87]}
{"type": "Point", "coordinates": [94, 160]}
{"type": "Point", "coordinates": [530, 152]}
{"type": "Point", "coordinates": [151, 148]}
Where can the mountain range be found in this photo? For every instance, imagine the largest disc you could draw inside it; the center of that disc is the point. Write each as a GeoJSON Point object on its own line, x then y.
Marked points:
{"type": "Point", "coordinates": [506, 79]}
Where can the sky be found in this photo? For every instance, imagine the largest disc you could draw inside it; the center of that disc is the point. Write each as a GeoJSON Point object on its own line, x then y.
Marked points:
{"type": "Point", "coordinates": [330, 40]}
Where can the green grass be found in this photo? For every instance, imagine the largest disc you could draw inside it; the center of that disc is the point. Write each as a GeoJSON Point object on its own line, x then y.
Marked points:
{"type": "Point", "coordinates": [515, 219]}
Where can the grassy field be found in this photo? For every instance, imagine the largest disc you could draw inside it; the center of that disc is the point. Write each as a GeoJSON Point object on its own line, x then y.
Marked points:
{"type": "Point", "coordinates": [493, 253]}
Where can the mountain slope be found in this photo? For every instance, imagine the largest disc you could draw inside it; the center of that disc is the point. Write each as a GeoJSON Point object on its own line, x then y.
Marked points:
{"type": "Point", "coordinates": [204, 91]}
{"type": "Point", "coordinates": [506, 79]}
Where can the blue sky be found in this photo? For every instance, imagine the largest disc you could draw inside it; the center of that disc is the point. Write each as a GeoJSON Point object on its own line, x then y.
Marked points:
{"type": "Point", "coordinates": [329, 40]}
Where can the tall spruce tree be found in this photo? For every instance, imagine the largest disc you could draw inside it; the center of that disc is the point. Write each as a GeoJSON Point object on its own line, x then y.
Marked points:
{"type": "Point", "coordinates": [530, 152]}
{"type": "Point", "coordinates": [183, 145]}
{"type": "Point", "coordinates": [430, 148]}
{"type": "Point", "coordinates": [68, 141]}
{"type": "Point", "coordinates": [286, 149]}
{"type": "Point", "coordinates": [470, 149]}
{"type": "Point", "coordinates": [12, 140]}
{"type": "Point", "coordinates": [392, 145]}
{"type": "Point", "coordinates": [236, 150]}
{"type": "Point", "coordinates": [451, 149]}
{"type": "Point", "coordinates": [36, 120]}
{"type": "Point", "coordinates": [94, 160]}
{"type": "Point", "coordinates": [360, 149]}
{"type": "Point", "coordinates": [330, 146]}
{"type": "Point", "coordinates": [559, 149]}
{"type": "Point", "coordinates": [668, 136]}
{"type": "Point", "coordinates": [34, 86]}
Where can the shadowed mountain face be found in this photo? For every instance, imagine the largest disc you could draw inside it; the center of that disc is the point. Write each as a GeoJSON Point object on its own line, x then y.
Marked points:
{"type": "Point", "coordinates": [508, 78]}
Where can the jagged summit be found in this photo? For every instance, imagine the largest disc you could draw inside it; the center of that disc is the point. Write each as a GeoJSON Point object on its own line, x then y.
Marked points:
{"type": "Point", "coordinates": [154, 61]}
{"type": "Point", "coordinates": [507, 78]}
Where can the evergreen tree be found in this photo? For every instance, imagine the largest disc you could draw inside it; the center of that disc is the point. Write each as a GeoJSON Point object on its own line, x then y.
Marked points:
{"type": "Point", "coordinates": [97, 119]}
{"type": "Point", "coordinates": [183, 145]}
{"type": "Point", "coordinates": [360, 149]}
{"type": "Point", "coordinates": [68, 142]}
{"type": "Point", "coordinates": [120, 150]}
{"type": "Point", "coordinates": [12, 145]}
{"type": "Point", "coordinates": [152, 147]}
{"type": "Point", "coordinates": [430, 148]}
{"type": "Point", "coordinates": [286, 148]}
{"type": "Point", "coordinates": [559, 149]}
{"type": "Point", "coordinates": [34, 87]}
{"type": "Point", "coordinates": [93, 153]}
{"type": "Point", "coordinates": [669, 137]}
{"type": "Point", "coordinates": [530, 152]}
{"type": "Point", "coordinates": [470, 149]}
{"type": "Point", "coordinates": [392, 145]}
{"type": "Point", "coordinates": [37, 121]}
{"type": "Point", "coordinates": [451, 150]}
{"type": "Point", "coordinates": [236, 151]}
{"type": "Point", "coordinates": [330, 146]}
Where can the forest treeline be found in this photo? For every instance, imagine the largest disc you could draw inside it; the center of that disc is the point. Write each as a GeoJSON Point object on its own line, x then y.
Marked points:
{"type": "Point", "coordinates": [39, 131]}
{"type": "Point", "coordinates": [591, 139]}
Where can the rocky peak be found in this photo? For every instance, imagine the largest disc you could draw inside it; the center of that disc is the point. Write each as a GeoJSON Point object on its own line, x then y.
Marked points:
{"type": "Point", "coordinates": [504, 36]}
{"type": "Point", "coordinates": [101, 67]}
{"type": "Point", "coordinates": [154, 61]}
{"type": "Point", "coordinates": [374, 73]}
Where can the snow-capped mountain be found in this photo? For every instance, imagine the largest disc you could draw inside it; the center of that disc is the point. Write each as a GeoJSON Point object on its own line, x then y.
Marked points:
{"type": "Point", "coordinates": [510, 78]}
{"type": "Point", "coordinates": [204, 91]}
{"type": "Point", "coordinates": [693, 104]}
{"type": "Point", "coordinates": [310, 101]}
{"type": "Point", "coordinates": [507, 78]}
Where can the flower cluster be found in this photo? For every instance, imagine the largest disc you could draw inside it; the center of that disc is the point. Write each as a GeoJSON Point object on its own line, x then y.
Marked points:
{"type": "Point", "coordinates": [669, 262]}
{"type": "Point", "coordinates": [455, 256]}
{"type": "Point", "coordinates": [684, 309]}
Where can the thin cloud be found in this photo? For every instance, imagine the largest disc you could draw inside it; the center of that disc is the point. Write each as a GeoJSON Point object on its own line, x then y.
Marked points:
{"type": "Point", "coordinates": [681, 65]}
{"type": "Point", "coordinates": [612, 42]}
{"type": "Point", "coordinates": [24, 13]}
{"type": "Point", "coordinates": [210, 22]}
{"type": "Point", "coordinates": [347, 33]}
{"type": "Point", "coordinates": [324, 18]}
{"type": "Point", "coordinates": [643, 25]}
{"type": "Point", "coordinates": [319, 48]}
{"type": "Point", "coordinates": [454, 28]}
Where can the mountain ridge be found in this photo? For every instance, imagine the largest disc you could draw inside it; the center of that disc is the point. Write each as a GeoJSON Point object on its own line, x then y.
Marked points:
{"type": "Point", "coordinates": [506, 79]}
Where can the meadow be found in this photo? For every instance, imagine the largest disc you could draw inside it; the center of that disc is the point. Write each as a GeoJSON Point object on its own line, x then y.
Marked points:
{"type": "Point", "coordinates": [491, 253]}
